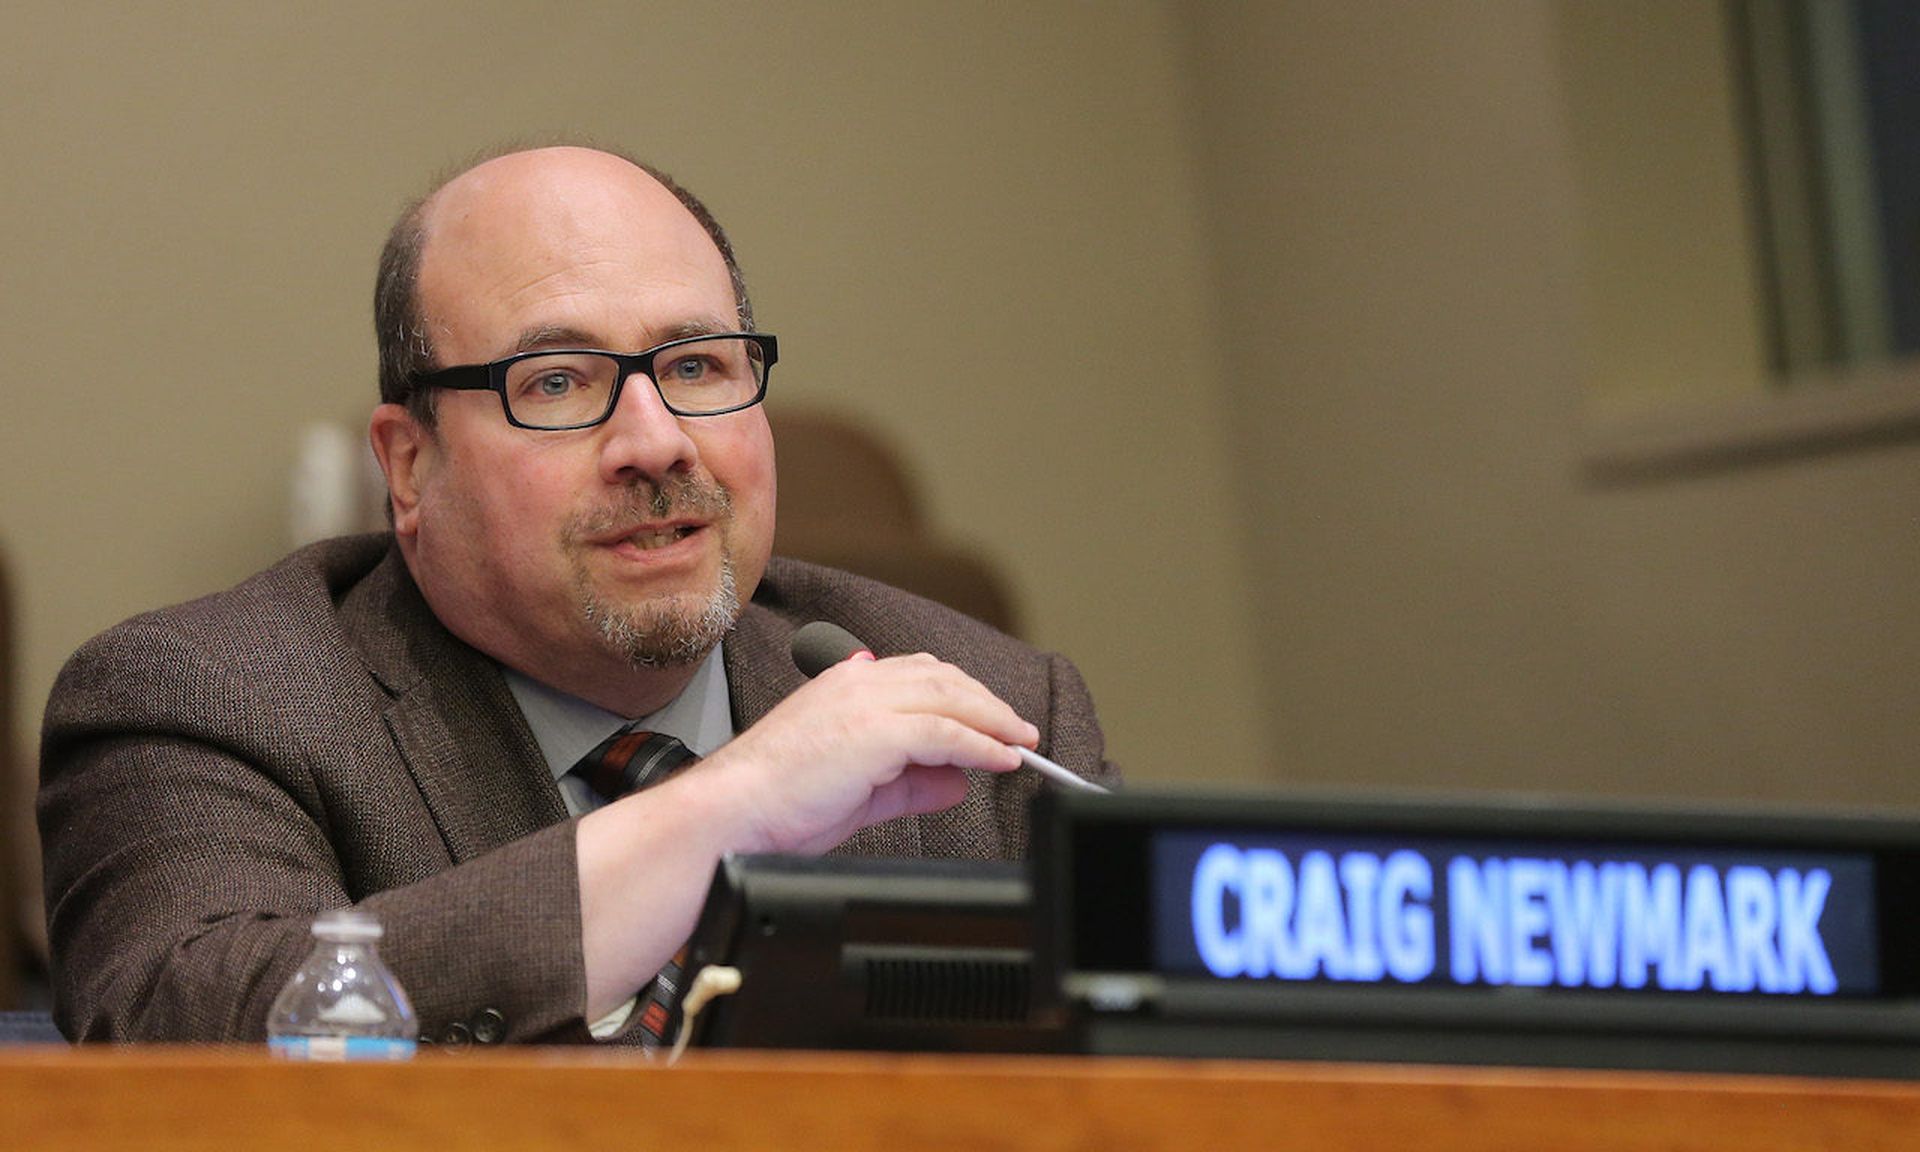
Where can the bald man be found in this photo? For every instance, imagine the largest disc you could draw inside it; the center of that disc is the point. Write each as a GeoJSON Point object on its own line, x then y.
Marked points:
{"type": "Point", "coordinates": [582, 490]}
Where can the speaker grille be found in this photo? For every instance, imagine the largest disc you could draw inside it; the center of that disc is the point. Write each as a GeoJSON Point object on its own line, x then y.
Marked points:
{"type": "Point", "coordinates": [983, 987]}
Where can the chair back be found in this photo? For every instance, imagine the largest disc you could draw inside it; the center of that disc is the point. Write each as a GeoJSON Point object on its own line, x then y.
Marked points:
{"type": "Point", "coordinates": [848, 501]}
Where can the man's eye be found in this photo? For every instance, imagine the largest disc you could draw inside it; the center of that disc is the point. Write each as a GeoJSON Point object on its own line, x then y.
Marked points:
{"type": "Point", "coordinates": [687, 368]}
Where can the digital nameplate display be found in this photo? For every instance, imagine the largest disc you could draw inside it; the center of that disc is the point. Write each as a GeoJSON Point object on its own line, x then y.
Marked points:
{"type": "Point", "coordinates": [1473, 913]}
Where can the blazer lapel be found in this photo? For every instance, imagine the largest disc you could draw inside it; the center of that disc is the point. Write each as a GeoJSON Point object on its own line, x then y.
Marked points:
{"type": "Point", "coordinates": [452, 718]}
{"type": "Point", "coordinates": [760, 668]}
{"type": "Point", "coordinates": [760, 674]}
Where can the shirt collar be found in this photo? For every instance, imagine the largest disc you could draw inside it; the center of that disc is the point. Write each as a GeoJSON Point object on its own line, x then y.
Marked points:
{"type": "Point", "coordinates": [567, 727]}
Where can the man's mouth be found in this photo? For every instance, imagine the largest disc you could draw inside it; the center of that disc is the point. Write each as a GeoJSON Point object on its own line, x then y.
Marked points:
{"type": "Point", "coordinates": [647, 540]}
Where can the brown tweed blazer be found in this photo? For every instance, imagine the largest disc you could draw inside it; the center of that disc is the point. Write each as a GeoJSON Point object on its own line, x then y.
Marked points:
{"type": "Point", "coordinates": [215, 774]}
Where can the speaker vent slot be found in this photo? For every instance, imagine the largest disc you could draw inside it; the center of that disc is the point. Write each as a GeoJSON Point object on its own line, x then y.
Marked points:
{"type": "Point", "coordinates": [946, 985]}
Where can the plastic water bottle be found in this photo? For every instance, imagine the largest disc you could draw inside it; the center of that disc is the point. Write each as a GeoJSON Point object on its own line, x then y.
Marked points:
{"type": "Point", "coordinates": [343, 1003]}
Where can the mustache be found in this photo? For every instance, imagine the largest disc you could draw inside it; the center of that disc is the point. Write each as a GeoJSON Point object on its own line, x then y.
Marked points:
{"type": "Point", "coordinates": [678, 496]}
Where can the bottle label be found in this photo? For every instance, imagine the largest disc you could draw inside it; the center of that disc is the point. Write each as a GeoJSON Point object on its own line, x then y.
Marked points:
{"type": "Point", "coordinates": [341, 1048]}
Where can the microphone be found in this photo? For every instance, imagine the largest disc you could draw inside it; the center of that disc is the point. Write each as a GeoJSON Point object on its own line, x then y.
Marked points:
{"type": "Point", "coordinates": [822, 644]}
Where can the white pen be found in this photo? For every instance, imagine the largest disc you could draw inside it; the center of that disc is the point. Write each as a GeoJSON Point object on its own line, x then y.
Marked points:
{"type": "Point", "coordinates": [820, 645]}
{"type": "Point", "coordinates": [1053, 771]}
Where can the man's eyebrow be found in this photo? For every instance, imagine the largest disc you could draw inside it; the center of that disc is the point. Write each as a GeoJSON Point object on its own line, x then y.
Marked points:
{"type": "Point", "coordinates": [552, 336]}
{"type": "Point", "coordinates": [562, 336]}
{"type": "Point", "coordinates": [688, 328]}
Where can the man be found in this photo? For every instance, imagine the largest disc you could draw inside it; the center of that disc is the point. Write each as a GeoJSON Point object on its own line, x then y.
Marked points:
{"type": "Point", "coordinates": [391, 723]}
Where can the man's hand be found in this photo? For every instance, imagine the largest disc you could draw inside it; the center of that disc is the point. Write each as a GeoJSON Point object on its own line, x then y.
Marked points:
{"type": "Point", "coordinates": [863, 742]}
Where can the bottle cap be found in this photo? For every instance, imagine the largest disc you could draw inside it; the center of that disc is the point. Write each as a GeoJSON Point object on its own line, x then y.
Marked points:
{"type": "Point", "coordinates": [347, 926]}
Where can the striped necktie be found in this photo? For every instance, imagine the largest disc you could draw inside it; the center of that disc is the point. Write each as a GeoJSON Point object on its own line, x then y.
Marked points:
{"type": "Point", "coordinates": [627, 761]}
{"type": "Point", "coordinates": [631, 759]}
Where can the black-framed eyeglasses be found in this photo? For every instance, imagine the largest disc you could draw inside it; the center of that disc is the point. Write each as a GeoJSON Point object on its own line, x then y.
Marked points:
{"type": "Point", "coordinates": [558, 389]}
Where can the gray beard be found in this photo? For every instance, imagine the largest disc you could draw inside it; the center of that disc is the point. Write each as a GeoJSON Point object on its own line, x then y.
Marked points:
{"type": "Point", "coordinates": [671, 631]}
{"type": "Point", "coordinates": [668, 633]}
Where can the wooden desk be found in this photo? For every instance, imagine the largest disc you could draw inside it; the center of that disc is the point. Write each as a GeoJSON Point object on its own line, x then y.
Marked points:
{"type": "Point", "coordinates": [233, 1100]}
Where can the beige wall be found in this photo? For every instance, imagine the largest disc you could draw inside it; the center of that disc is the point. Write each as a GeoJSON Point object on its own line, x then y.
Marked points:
{"type": "Point", "coordinates": [1449, 600]}
{"type": "Point", "coordinates": [1250, 337]}
{"type": "Point", "coordinates": [1672, 284]}
{"type": "Point", "coordinates": [978, 227]}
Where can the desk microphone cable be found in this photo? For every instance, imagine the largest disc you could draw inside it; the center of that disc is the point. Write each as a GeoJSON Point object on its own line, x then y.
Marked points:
{"type": "Point", "coordinates": [712, 981]}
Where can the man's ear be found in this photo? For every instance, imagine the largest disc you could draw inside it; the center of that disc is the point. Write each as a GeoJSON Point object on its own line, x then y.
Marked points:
{"type": "Point", "coordinates": [405, 450]}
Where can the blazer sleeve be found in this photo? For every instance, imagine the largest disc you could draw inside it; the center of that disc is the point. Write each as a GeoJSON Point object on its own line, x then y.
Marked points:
{"type": "Point", "coordinates": [1073, 738]}
{"type": "Point", "coordinates": [189, 845]}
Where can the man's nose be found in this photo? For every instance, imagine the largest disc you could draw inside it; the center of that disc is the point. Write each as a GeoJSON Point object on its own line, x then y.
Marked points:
{"type": "Point", "coordinates": [642, 437]}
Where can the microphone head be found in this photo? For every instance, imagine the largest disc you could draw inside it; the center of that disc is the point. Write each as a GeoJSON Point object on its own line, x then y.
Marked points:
{"type": "Point", "coordinates": [820, 645]}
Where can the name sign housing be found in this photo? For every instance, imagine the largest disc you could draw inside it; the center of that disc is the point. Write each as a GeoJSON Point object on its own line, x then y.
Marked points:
{"type": "Point", "coordinates": [1468, 929]}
